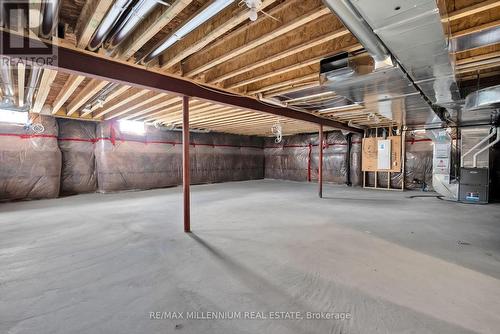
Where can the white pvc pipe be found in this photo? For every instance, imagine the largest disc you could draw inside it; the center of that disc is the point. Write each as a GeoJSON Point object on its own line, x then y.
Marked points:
{"type": "Point", "coordinates": [474, 159]}
{"type": "Point", "coordinates": [476, 146]}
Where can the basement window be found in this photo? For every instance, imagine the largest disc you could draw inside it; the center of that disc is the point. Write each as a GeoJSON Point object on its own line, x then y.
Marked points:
{"type": "Point", "coordinates": [9, 116]}
{"type": "Point", "coordinates": [135, 127]}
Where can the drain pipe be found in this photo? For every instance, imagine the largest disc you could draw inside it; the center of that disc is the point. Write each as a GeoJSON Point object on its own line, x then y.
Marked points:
{"type": "Point", "coordinates": [106, 26]}
{"type": "Point", "coordinates": [139, 12]}
{"type": "Point", "coordinates": [476, 146]}
{"type": "Point", "coordinates": [359, 28]}
{"type": "Point", "coordinates": [474, 158]}
{"type": "Point", "coordinates": [49, 15]}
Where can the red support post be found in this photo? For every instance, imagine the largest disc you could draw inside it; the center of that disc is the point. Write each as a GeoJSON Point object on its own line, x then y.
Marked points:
{"type": "Point", "coordinates": [309, 157]}
{"type": "Point", "coordinates": [185, 163]}
{"type": "Point", "coordinates": [320, 165]}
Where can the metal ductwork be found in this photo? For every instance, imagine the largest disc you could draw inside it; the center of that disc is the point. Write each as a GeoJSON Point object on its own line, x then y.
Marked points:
{"type": "Point", "coordinates": [358, 26]}
{"type": "Point", "coordinates": [476, 40]}
{"type": "Point", "coordinates": [413, 32]}
{"type": "Point", "coordinates": [483, 99]}
{"type": "Point", "coordinates": [420, 78]}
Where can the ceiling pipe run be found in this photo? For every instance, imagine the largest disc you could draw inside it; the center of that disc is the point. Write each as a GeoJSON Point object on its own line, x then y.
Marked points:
{"type": "Point", "coordinates": [107, 24]}
{"type": "Point", "coordinates": [203, 16]}
{"type": "Point", "coordinates": [50, 16]}
{"type": "Point", "coordinates": [3, 18]}
{"type": "Point", "coordinates": [141, 10]}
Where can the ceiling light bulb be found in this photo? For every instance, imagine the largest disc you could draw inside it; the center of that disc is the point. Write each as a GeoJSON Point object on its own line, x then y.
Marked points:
{"type": "Point", "coordinates": [252, 14]}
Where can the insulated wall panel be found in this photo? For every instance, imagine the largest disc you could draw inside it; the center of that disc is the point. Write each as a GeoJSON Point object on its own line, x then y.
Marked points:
{"type": "Point", "coordinates": [30, 161]}
{"type": "Point", "coordinates": [76, 141]}
{"type": "Point", "coordinates": [127, 161]}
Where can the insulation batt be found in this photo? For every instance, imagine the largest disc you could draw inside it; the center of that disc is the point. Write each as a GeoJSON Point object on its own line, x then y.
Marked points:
{"type": "Point", "coordinates": [77, 141]}
{"type": "Point", "coordinates": [128, 161]}
{"type": "Point", "coordinates": [30, 163]}
{"type": "Point", "coordinates": [290, 159]}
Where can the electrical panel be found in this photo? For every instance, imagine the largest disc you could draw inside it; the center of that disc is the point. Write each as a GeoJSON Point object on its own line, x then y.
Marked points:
{"type": "Point", "coordinates": [384, 154]}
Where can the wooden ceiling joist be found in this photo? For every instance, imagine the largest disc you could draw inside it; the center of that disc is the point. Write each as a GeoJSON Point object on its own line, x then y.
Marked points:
{"type": "Point", "coordinates": [474, 9]}
{"type": "Point", "coordinates": [150, 108]}
{"type": "Point", "coordinates": [207, 33]}
{"type": "Point", "coordinates": [294, 88]}
{"type": "Point", "coordinates": [116, 92]}
{"type": "Point", "coordinates": [48, 77]}
{"type": "Point", "coordinates": [192, 69]}
{"type": "Point", "coordinates": [200, 117]}
{"type": "Point", "coordinates": [221, 112]}
{"type": "Point", "coordinates": [121, 100]}
{"type": "Point", "coordinates": [252, 119]}
{"type": "Point", "coordinates": [290, 68]}
{"type": "Point", "coordinates": [284, 54]}
{"type": "Point", "coordinates": [149, 98]}
{"type": "Point", "coordinates": [476, 29]}
{"type": "Point", "coordinates": [176, 111]}
{"type": "Point", "coordinates": [92, 88]}
{"type": "Point", "coordinates": [67, 90]}
{"type": "Point", "coordinates": [288, 83]}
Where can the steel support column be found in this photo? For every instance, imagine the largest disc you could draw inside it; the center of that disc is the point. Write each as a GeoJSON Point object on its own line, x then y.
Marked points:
{"type": "Point", "coordinates": [185, 163]}
{"type": "Point", "coordinates": [320, 164]}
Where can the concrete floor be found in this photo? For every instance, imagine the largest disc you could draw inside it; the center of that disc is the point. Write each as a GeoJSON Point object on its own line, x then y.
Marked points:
{"type": "Point", "coordinates": [101, 263]}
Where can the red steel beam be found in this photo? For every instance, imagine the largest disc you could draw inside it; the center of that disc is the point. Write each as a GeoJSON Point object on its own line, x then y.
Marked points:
{"type": "Point", "coordinates": [185, 163]}
{"type": "Point", "coordinates": [320, 166]}
{"type": "Point", "coordinates": [89, 64]}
